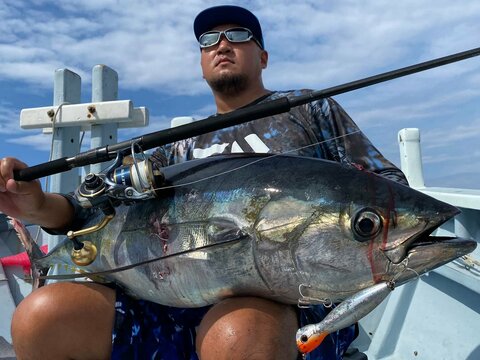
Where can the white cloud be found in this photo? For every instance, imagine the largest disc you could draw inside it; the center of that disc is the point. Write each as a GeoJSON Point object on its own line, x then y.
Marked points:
{"type": "Point", "coordinates": [457, 133]}
{"type": "Point", "coordinates": [156, 123]}
{"type": "Point", "coordinates": [204, 111]}
{"type": "Point", "coordinates": [8, 119]}
{"type": "Point", "coordinates": [151, 44]}
{"type": "Point", "coordinates": [312, 44]}
{"type": "Point", "coordinates": [375, 110]}
{"type": "Point", "coordinates": [40, 142]}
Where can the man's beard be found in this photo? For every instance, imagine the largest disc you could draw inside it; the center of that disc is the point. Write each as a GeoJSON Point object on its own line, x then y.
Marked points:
{"type": "Point", "coordinates": [229, 84]}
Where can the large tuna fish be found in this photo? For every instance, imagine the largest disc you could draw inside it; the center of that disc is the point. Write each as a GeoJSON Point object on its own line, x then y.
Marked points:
{"type": "Point", "coordinates": [286, 228]}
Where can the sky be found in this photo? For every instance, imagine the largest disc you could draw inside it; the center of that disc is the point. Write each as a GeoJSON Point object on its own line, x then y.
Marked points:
{"type": "Point", "coordinates": [311, 44]}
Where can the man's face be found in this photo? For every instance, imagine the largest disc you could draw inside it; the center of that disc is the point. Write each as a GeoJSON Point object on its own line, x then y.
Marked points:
{"type": "Point", "coordinates": [226, 62]}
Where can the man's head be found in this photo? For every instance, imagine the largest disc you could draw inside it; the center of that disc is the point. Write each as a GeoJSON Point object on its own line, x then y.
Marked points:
{"type": "Point", "coordinates": [228, 14]}
{"type": "Point", "coordinates": [232, 49]}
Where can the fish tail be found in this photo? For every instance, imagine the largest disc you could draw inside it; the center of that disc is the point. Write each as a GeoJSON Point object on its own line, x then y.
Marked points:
{"type": "Point", "coordinates": [33, 251]}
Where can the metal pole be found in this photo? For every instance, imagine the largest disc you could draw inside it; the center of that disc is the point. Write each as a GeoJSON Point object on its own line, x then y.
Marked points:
{"type": "Point", "coordinates": [411, 156]}
{"type": "Point", "coordinates": [67, 87]}
{"type": "Point", "coordinates": [104, 88]}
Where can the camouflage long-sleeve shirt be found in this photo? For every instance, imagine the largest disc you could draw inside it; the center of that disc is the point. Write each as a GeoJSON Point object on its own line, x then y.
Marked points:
{"type": "Point", "coordinates": [320, 129]}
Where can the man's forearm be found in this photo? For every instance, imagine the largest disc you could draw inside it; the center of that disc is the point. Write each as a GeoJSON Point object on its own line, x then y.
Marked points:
{"type": "Point", "coordinates": [56, 212]}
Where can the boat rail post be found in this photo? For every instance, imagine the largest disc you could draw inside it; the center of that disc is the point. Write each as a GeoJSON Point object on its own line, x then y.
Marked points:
{"type": "Point", "coordinates": [66, 140]}
{"type": "Point", "coordinates": [104, 88]}
{"type": "Point", "coordinates": [68, 117]}
{"type": "Point", "coordinates": [411, 156]}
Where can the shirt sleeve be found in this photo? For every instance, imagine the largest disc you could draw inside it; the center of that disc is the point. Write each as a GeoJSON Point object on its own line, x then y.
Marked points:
{"type": "Point", "coordinates": [346, 143]}
{"type": "Point", "coordinates": [80, 216]}
{"type": "Point", "coordinates": [174, 153]}
{"type": "Point", "coordinates": [162, 156]}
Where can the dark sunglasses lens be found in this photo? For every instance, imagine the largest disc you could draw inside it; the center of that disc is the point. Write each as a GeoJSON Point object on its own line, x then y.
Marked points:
{"type": "Point", "coordinates": [208, 39]}
{"type": "Point", "coordinates": [237, 35]}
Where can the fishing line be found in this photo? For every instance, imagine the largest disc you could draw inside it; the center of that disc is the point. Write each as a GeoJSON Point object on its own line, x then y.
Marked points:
{"type": "Point", "coordinates": [405, 269]}
{"type": "Point", "coordinates": [131, 266]}
{"type": "Point", "coordinates": [50, 157]}
{"type": "Point", "coordinates": [47, 180]}
{"type": "Point", "coordinates": [81, 139]}
{"type": "Point", "coordinates": [468, 263]}
{"type": "Point", "coordinates": [254, 162]}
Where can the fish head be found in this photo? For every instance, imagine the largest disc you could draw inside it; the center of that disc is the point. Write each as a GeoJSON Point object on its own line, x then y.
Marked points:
{"type": "Point", "coordinates": [399, 233]}
{"type": "Point", "coordinates": [359, 229]}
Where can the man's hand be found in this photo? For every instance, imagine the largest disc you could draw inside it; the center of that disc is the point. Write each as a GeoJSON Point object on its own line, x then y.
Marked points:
{"type": "Point", "coordinates": [19, 199]}
{"type": "Point", "coordinates": [27, 201]}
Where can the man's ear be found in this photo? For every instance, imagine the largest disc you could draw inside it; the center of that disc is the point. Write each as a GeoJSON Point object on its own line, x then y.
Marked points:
{"type": "Point", "coordinates": [264, 59]}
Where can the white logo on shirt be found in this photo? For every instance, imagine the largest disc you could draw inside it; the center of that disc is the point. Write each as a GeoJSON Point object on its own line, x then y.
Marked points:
{"type": "Point", "coordinates": [257, 145]}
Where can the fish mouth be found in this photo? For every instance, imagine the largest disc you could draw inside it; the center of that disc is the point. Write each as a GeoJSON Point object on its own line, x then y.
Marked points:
{"type": "Point", "coordinates": [434, 214]}
{"type": "Point", "coordinates": [430, 252]}
{"type": "Point", "coordinates": [423, 251]}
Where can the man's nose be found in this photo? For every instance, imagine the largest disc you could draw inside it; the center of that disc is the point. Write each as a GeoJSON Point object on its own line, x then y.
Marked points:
{"type": "Point", "coordinates": [223, 44]}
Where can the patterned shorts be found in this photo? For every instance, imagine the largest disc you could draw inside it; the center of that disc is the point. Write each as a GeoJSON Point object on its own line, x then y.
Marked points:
{"type": "Point", "coordinates": [145, 330]}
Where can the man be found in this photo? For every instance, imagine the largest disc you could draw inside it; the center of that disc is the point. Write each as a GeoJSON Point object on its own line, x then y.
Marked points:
{"type": "Point", "coordinates": [66, 320]}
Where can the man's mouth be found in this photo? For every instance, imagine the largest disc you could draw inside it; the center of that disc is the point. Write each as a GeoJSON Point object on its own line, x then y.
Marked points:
{"type": "Point", "coordinates": [223, 61]}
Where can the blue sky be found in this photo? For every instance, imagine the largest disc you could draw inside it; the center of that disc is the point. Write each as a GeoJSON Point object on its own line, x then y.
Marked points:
{"type": "Point", "coordinates": [312, 44]}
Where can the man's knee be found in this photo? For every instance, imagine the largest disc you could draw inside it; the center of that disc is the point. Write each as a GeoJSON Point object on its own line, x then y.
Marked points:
{"type": "Point", "coordinates": [248, 328]}
{"type": "Point", "coordinates": [56, 318]}
{"type": "Point", "coordinates": [63, 302]}
{"type": "Point", "coordinates": [34, 314]}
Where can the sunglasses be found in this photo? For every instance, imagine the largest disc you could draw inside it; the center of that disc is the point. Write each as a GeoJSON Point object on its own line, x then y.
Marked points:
{"type": "Point", "coordinates": [233, 35]}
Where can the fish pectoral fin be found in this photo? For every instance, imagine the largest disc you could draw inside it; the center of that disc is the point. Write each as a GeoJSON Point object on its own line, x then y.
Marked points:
{"type": "Point", "coordinates": [347, 313]}
{"type": "Point", "coordinates": [192, 237]}
{"type": "Point", "coordinates": [213, 231]}
{"type": "Point", "coordinates": [222, 230]}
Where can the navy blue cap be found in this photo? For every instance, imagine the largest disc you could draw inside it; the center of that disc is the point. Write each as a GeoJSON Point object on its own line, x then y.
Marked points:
{"type": "Point", "coordinates": [227, 14]}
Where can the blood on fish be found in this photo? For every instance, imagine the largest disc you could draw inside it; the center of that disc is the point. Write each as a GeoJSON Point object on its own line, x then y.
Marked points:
{"type": "Point", "coordinates": [160, 230]}
{"type": "Point", "coordinates": [357, 166]}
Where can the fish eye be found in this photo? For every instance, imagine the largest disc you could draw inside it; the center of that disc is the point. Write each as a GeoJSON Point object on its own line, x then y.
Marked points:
{"type": "Point", "coordinates": [366, 224]}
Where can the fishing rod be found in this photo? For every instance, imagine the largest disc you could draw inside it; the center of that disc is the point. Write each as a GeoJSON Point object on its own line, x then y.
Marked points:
{"type": "Point", "coordinates": [217, 122]}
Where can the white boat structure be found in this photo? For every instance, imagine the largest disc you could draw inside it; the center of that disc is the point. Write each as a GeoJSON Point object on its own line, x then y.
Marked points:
{"type": "Point", "coordinates": [434, 317]}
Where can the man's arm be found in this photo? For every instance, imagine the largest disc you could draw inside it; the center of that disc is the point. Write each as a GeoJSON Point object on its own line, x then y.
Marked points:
{"type": "Point", "coordinates": [348, 144]}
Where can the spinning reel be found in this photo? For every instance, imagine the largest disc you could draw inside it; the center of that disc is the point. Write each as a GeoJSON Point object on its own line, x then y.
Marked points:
{"type": "Point", "coordinates": [126, 181]}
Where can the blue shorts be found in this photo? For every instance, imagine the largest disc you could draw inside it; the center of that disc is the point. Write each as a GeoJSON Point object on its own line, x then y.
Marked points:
{"type": "Point", "coordinates": [145, 330]}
